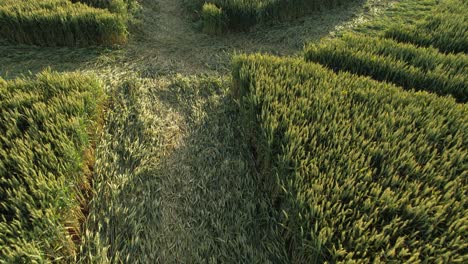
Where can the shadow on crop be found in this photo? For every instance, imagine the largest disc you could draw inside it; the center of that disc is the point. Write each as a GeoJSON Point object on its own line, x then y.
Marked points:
{"type": "Point", "coordinates": [18, 60]}
{"type": "Point", "coordinates": [189, 193]}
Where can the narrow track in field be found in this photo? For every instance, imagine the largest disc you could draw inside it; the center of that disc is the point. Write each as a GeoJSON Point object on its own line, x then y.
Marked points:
{"type": "Point", "coordinates": [175, 182]}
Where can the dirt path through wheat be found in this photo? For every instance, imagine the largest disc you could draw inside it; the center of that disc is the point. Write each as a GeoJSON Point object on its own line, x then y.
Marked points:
{"type": "Point", "coordinates": [175, 181]}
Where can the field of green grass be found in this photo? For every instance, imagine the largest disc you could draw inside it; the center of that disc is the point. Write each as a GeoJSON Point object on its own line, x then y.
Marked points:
{"type": "Point", "coordinates": [358, 170]}
{"type": "Point", "coordinates": [446, 28]}
{"type": "Point", "coordinates": [276, 131]}
{"type": "Point", "coordinates": [406, 65]}
{"type": "Point", "coordinates": [63, 22]}
{"type": "Point", "coordinates": [48, 125]}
